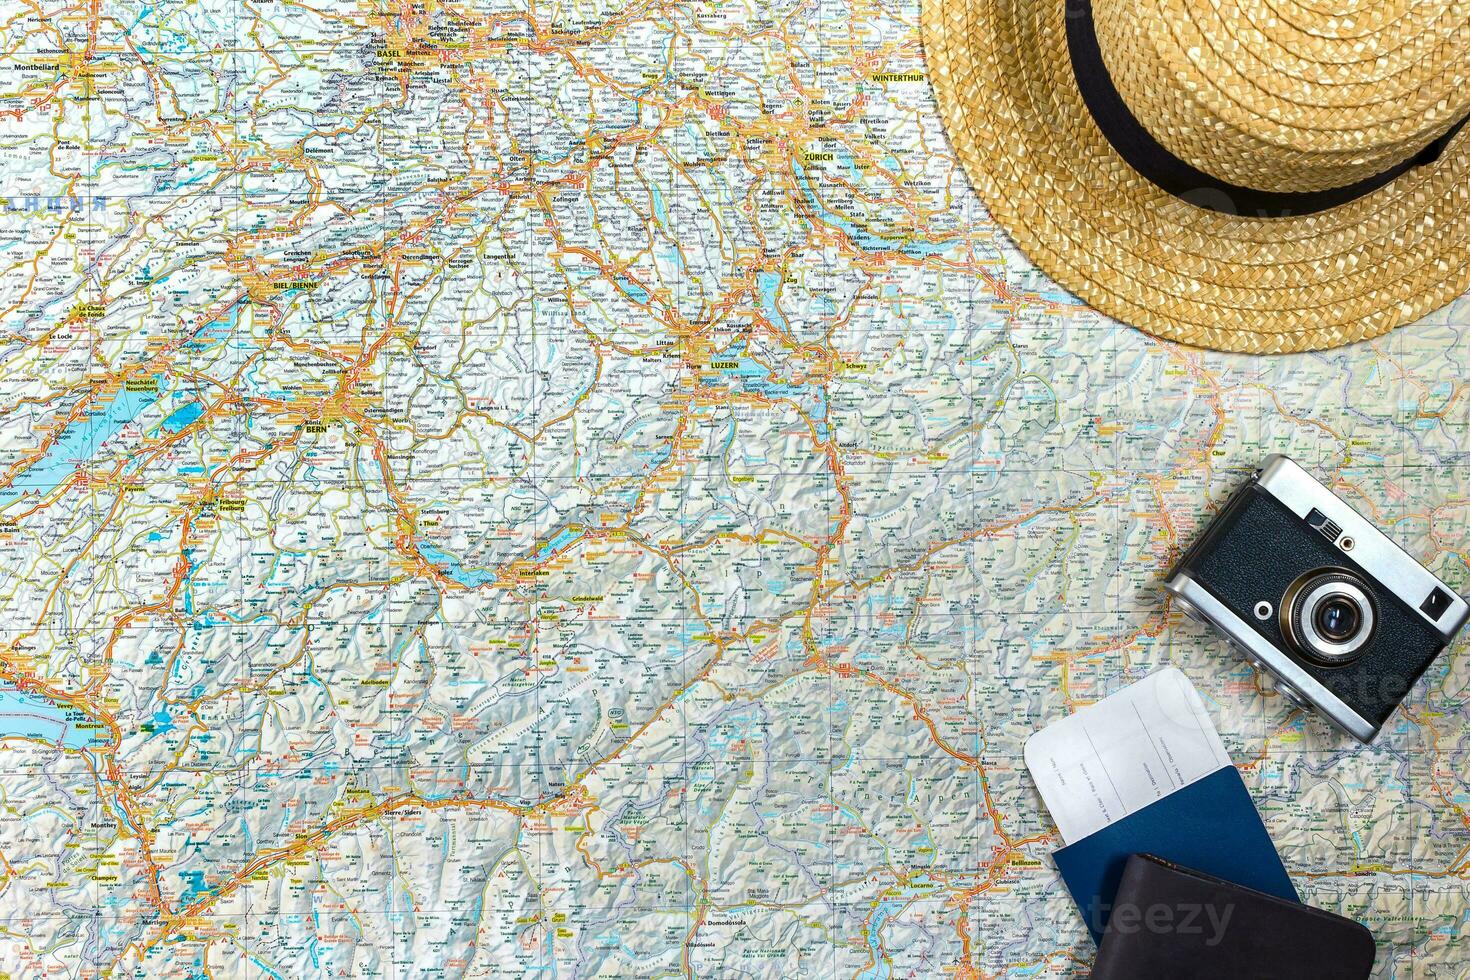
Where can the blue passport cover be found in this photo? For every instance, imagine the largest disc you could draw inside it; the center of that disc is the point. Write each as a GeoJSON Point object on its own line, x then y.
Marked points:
{"type": "Point", "coordinates": [1210, 825]}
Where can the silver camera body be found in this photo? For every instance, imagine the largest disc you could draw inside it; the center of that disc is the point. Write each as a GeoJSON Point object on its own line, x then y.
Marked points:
{"type": "Point", "coordinates": [1311, 593]}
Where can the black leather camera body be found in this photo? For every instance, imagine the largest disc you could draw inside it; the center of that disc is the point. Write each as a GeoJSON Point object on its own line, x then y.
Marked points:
{"type": "Point", "coordinates": [1314, 595]}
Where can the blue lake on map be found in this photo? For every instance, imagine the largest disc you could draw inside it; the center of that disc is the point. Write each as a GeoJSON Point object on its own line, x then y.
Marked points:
{"type": "Point", "coordinates": [454, 568]}
{"type": "Point", "coordinates": [634, 291]}
{"type": "Point", "coordinates": [220, 330]}
{"type": "Point", "coordinates": [31, 716]}
{"type": "Point", "coordinates": [79, 442]}
{"type": "Point", "coordinates": [861, 237]}
{"type": "Point", "coordinates": [880, 969]}
{"type": "Point", "coordinates": [755, 377]}
{"type": "Point", "coordinates": [556, 543]}
{"type": "Point", "coordinates": [180, 418]}
{"type": "Point", "coordinates": [767, 283]}
{"type": "Point", "coordinates": [660, 211]}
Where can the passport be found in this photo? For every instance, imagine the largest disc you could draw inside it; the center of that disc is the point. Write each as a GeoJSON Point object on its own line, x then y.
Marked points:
{"type": "Point", "coordinates": [1143, 771]}
{"type": "Point", "coordinates": [1211, 825]}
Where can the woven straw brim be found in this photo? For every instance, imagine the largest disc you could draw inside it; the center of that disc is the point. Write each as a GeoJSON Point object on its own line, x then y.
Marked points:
{"type": "Point", "coordinates": [1010, 103]}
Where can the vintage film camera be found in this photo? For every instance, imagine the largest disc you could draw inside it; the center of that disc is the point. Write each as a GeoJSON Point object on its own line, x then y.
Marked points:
{"type": "Point", "coordinates": [1314, 595]}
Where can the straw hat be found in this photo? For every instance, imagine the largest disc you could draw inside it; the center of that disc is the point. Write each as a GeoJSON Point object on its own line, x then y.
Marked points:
{"type": "Point", "coordinates": [1249, 175]}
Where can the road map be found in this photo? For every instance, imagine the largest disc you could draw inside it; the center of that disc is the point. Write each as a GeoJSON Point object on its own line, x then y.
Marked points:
{"type": "Point", "coordinates": [584, 490]}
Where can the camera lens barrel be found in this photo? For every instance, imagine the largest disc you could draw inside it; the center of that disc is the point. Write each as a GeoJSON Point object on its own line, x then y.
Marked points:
{"type": "Point", "coordinates": [1328, 616]}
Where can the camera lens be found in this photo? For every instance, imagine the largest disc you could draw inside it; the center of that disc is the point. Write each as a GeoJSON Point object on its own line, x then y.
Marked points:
{"type": "Point", "coordinates": [1338, 617]}
{"type": "Point", "coordinates": [1328, 616]}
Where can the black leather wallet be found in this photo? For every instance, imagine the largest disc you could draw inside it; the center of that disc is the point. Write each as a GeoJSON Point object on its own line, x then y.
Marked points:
{"type": "Point", "coordinates": [1173, 923]}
